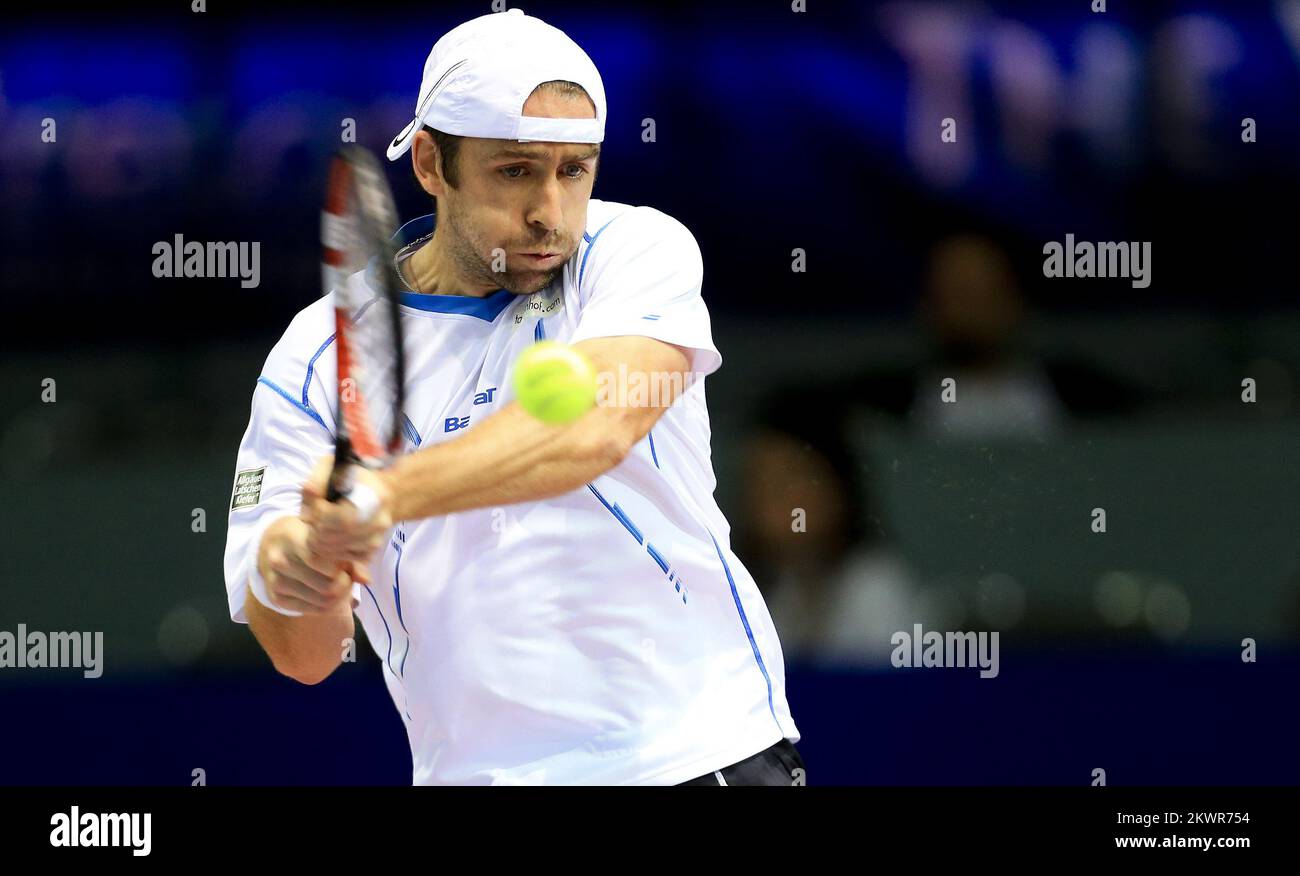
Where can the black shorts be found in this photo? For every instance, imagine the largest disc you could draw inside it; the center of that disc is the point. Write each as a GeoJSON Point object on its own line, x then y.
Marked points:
{"type": "Point", "coordinates": [778, 765]}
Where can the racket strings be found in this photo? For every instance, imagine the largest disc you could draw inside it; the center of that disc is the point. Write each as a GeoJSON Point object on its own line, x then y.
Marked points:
{"type": "Point", "coordinates": [357, 223]}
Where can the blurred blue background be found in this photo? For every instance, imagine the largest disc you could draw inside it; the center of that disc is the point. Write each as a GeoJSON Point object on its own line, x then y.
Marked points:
{"type": "Point", "coordinates": [775, 131]}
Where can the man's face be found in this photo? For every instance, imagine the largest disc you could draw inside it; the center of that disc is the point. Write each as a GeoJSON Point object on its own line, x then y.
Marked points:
{"type": "Point", "coordinates": [520, 209]}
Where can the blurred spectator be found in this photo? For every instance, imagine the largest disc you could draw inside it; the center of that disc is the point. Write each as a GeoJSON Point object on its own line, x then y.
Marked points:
{"type": "Point", "coordinates": [836, 585]}
{"type": "Point", "coordinates": [837, 589]}
{"type": "Point", "coordinates": [973, 312]}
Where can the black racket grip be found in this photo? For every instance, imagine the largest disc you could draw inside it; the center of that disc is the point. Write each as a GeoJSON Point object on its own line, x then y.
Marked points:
{"type": "Point", "coordinates": [340, 482]}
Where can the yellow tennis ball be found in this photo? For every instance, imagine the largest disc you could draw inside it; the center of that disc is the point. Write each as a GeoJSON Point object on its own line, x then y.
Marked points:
{"type": "Point", "coordinates": [554, 382]}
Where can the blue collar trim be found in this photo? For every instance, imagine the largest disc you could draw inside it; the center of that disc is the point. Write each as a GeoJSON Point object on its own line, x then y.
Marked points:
{"type": "Point", "coordinates": [487, 308]}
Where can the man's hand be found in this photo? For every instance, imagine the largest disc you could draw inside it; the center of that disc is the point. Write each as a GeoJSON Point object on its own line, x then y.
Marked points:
{"type": "Point", "coordinates": [334, 532]}
{"type": "Point", "coordinates": [300, 579]}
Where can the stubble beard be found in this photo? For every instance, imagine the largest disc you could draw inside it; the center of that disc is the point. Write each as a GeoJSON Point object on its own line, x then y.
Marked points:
{"type": "Point", "coordinates": [465, 251]}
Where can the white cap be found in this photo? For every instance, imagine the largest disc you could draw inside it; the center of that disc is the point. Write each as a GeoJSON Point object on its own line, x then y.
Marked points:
{"type": "Point", "coordinates": [479, 74]}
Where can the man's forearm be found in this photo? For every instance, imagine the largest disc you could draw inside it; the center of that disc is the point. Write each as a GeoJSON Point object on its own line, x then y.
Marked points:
{"type": "Point", "coordinates": [307, 648]}
{"type": "Point", "coordinates": [509, 457]}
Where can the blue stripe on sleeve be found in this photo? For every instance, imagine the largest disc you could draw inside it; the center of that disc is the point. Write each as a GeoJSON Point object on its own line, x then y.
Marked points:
{"type": "Point", "coordinates": [311, 367]}
{"type": "Point", "coordinates": [590, 246]}
{"type": "Point", "coordinates": [297, 404]}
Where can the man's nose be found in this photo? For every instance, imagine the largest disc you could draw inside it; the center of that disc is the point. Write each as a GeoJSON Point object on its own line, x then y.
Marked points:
{"type": "Point", "coordinates": [545, 211]}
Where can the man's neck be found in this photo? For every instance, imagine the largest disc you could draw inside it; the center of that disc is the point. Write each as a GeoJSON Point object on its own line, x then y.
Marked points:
{"type": "Point", "coordinates": [431, 272]}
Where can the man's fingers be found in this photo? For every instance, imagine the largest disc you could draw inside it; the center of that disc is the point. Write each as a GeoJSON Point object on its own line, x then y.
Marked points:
{"type": "Point", "coordinates": [294, 604]}
{"type": "Point", "coordinates": [282, 588]}
{"type": "Point", "coordinates": [337, 516]}
{"type": "Point", "coordinates": [323, 572]}
{"type": "Point", "coordinates": [345, 542]}
{"type": "Point", "coordinates": [316, 486]}
{"type": "Point", "coordinates": [321, 594]}
{"type": "Point", "coordinates": [329, 528]}
{"type": "Point", "coordinates": [327, 559]}
{"type": "Point", "coordinates": [315, 572]}
{"type": "Point", "coordinates": [335, 534]}
{"type": "Point", "coordinates": [320, 475]}
{"type": "Point", "coordinates": [340, 585]}
{"type": "Point", "coordinates": [327, 534]}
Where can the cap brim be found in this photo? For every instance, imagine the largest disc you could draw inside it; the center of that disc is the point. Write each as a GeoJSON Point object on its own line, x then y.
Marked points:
{"type": "Point", "coordinates": [402, 142]}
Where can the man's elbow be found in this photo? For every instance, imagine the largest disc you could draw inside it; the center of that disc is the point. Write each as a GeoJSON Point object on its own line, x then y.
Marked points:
{"type": "Point", "coordinates": [609, 443]}
{"type": "Point", "coordinates": [297, 649]}
{"type": "Point", "coordinates": [305, 673]}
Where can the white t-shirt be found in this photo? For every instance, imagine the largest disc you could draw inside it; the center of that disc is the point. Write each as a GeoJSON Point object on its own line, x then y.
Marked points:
{"type": "Point", "coordinates": [605, 636]}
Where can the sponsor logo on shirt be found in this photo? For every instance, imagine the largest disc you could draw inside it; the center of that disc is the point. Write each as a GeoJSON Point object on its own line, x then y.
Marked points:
{"type": "Point", "coordinates": [248, 488]}
{"type": "Point", "coordinates": [455, 424]}
{"type": "Point", "coordinates": [542, 303]}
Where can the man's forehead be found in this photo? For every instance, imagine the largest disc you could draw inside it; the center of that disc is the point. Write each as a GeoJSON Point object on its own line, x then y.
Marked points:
{"type": "Point", "coordinates": [539, 151]}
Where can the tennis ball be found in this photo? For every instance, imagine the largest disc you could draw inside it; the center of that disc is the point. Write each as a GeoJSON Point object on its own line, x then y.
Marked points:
{"type": "Point", "coordinates": [554, 382]}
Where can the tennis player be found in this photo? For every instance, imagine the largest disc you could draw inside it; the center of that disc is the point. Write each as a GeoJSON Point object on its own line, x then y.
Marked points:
{"type": "Point", "coordinates": [552, 604]}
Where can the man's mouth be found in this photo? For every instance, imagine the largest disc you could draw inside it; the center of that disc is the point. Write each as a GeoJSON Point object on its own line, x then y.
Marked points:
{"type": "Point", "coordinates": [542, 259]}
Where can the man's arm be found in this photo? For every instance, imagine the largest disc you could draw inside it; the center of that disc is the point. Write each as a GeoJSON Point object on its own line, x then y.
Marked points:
{"type": "Point", "coordinates": [509, 457]}
{"type": "Point", "coordinates": [514, 457]}
{"type": "Point", "coordinates": [307, 648]}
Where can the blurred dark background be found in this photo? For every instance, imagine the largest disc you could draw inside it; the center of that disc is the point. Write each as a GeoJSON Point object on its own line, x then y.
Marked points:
{"type": "Point", "coordinates": [776, 131]}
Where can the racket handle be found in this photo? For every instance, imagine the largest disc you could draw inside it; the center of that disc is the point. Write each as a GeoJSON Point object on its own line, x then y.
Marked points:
{"type": "Point", "coordinates": [340, 482]}
{"type": "Point", "coordinates": [343, 486]}
{"type": "Point", "coordinates": [366, 500]}
{"type": "Point", "coordinates": [333, 492]}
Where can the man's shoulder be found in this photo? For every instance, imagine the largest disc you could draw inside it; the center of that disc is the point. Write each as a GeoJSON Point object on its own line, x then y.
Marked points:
{"type": "Point", "coordinates": [617, 233]}
{"type": "Point", "coordinates": [630, 218]}
{"type": "Point", "coordinates": [298, 354]}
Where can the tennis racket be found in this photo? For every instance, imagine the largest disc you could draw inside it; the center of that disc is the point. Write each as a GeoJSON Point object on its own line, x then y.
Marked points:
{"type": "Point", "coordinates": [357, 225]}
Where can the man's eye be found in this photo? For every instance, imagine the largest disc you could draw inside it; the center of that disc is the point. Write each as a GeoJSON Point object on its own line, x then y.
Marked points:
{"type": "Point", "coordinates": [572, 171]}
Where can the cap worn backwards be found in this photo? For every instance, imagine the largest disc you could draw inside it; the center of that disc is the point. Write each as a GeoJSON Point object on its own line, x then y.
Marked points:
{"type": "Point", "coordinates": [480, 73]}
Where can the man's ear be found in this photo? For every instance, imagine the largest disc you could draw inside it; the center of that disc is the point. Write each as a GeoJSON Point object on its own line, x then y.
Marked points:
{"type": "Point", "coordinates": [426, 164]}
